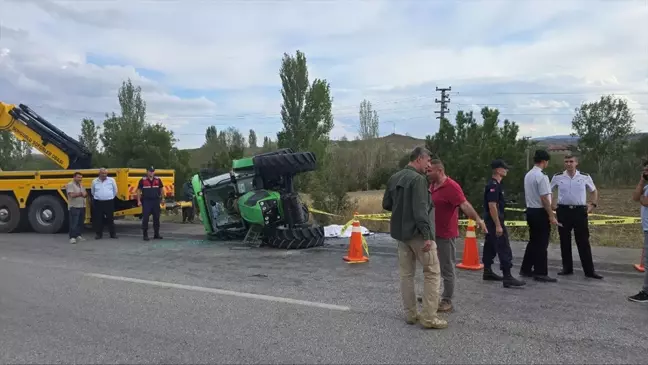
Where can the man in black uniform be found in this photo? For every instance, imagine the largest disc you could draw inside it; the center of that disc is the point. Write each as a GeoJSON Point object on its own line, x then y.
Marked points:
{"type": "Point", "coordinates": [497, 241]}
{"type": "Point", "coordinates": [149, 197]}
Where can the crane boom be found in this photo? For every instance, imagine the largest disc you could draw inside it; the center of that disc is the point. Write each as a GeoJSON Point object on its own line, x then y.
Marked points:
{"type": "Point", "coordinates": [28, 126]}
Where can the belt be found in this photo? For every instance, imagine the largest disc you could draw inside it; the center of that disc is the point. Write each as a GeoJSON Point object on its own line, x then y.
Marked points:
{"type": "Point", "coordinates": [572, 206]}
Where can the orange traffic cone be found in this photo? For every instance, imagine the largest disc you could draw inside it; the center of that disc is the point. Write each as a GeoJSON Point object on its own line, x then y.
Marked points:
{"type": "Point", "coordinates": [470, 260]}
{"type": "Point", "coordinates": [640, 266]}
{"type": "Point", "coordinates": [355, 255]}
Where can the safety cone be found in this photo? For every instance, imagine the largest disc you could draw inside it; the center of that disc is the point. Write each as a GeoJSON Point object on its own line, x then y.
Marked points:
{"type": "Point", "coordinates": [640, 266]}
{"type": "Point", "coordinates": [470, 260]}
{"type": "Point", "coordinates": [355, 254]}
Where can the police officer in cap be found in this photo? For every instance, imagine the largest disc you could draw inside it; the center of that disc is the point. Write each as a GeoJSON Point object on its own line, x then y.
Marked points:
{"type": "Point", "coordinates": [497, 241]}
{"type": "Point", "coordinates": [572, 211]}
{"type": "Point", "coordinates": [149, 197]}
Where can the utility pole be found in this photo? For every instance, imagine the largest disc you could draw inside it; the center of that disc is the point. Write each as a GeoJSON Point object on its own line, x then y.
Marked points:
{"type": "Point", "coordinates": [444, 101]}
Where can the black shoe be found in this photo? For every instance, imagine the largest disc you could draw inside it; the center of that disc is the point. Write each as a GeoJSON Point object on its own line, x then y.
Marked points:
{"type": "Point", "coordinates": [157, 236]}
{"type": "Point", "coordinates": [510, 281]}
{"type": "Point", "coordinates": [489, 275]}
{"type": "Point", "coordinates": [526, 274]}
{"type": "Point", "coordinates": [545, 279]}
{"type": "Point", "coordinates": [98, 236]}
{"type": "Point", "coordinates": [593, 276]}
{"type": "Point", "coordinates": [565, 272]}
{"type": "Point", "coordinates": [641, 297]}
{"type": "Point", "coordinates": [113, 236]}
{"type": "Point", "coordinates": [145, 238]}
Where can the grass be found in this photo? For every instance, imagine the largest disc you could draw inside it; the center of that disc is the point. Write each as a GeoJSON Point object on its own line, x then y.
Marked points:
{"type": "Point", "coordinates": [611, 202]}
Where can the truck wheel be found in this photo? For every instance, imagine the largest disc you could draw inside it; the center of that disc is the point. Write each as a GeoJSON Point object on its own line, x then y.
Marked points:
{"type": "Point", "coordinates": [46, 214]}
{"type": "Point", "coordinates": [9, 214]}
{"type": "Point", "coordinates": [296, 238]}
{"type": "Point", "coordinates": [286, 164]}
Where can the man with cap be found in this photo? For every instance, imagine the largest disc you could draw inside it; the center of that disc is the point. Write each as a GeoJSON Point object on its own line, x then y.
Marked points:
{"type": "Point", "coordinates": [540, 217]}
{"type": "Point", "coordinates": [497, 240]}
{"type": "Point", "coordinates": [149, 197]}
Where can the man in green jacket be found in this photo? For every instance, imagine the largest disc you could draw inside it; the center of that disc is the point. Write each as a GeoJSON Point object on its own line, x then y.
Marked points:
{"type": "Point", "coordinates": [412, 225]}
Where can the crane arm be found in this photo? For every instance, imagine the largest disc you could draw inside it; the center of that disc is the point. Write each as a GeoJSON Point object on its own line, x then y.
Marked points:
{"type": "Point", "coordinates": [31, 128]}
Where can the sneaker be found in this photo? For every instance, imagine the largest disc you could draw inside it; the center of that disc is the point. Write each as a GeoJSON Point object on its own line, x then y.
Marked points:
{"type": "Point", "coordinates": [73, 240]}
{"type": "Point", "coordinates": [80, 238]}
{"type": "Point", "coordinates": [445, 305]}
{"type": "Point", "coordinates": [436, 323]}
{"type": "Point", "coordinates": [641, 297]}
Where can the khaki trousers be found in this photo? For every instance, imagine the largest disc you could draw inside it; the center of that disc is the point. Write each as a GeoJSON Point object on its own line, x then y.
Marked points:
{"type": "Point", "coordinates": [408, 253]}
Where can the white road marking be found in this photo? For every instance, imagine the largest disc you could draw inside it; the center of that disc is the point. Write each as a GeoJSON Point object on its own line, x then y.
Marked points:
{"type": "Point", "coordinates": [222, 292]}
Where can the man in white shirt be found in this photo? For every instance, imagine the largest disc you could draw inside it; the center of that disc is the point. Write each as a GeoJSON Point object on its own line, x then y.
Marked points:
{"type": "Point", "coordinates": [572, 210]}
{"type": "Point", "coordinates": [539, 216]}
{"type": "Point", "coordinates": [104, 191]}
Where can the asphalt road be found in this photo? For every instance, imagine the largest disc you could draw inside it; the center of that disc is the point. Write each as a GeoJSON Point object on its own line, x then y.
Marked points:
{"type": "Point", "coordinates": [189, 301]}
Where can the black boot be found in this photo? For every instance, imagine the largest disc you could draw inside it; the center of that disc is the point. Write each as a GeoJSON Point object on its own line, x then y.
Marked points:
{"type": "Point", "coordinates": [511, 281]}
{"type": "Point", "coordinates": [489, 275]}
{"type": "Point", "coordinates": [145, 235]}
{"type": "Point", "coordinates": [156, 236]}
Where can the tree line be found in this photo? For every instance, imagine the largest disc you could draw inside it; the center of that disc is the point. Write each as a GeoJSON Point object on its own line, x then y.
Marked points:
{"type": "Point", "coordinates": [467, 145]}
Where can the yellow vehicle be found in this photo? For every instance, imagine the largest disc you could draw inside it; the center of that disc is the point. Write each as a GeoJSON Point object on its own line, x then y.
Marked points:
{"type": "Point", "coordinates": [37, 199]}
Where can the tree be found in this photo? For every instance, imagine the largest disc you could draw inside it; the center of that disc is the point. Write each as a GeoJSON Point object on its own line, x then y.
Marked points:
{"type": "Point", "coordinates": [268, 145]}
{"type": "Point", "coordinates": [252, 139]}
{"type": "Point", "coordinates": [124, 133]}
{"type": "Point", "coordinates": [369, 130]}
{"type": "Point", "coordinates": [306, 109]}
{"type": "Point", "coordinates": [603, 128]}
{"type": "Point", "coordinates": [305, 112]}
{"type": "Point", "coordinates": [467, 148]}
{"type": "Point", "coordinates": [89, 136]}
{"type": "Point", "coordinates": [13, 153]}
{"type": "Point", "coordinates": [211, 134]}
{"type": "Point", "coordinates": [230, 145]}
{"type": "Point", "coordinates": [369, 122]}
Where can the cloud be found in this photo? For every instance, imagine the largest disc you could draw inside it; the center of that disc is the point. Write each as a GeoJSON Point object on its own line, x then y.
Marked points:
{"type": "Point", "coordinates": [216, 63]}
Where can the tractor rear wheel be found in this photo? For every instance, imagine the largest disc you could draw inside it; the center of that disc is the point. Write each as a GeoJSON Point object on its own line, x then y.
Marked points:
{"type": "Point", "coordinates": [286, 163]}
{"type": "Point", "coordinates": [293, 238]}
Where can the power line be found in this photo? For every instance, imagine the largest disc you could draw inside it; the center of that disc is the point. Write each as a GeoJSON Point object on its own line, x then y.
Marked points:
{"type": "Point", "coordinates": [444, 100]}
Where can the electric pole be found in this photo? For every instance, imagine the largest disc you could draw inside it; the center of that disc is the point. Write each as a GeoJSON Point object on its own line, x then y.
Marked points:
{"type": "Point", "coordinates": [444, 101]}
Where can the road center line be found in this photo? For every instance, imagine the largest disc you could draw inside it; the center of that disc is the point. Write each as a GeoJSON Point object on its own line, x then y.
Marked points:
{"type": "Point", "coordinates": [222, 292]}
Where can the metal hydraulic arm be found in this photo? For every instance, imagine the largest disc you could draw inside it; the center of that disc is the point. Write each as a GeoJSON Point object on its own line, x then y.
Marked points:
{"type": "Point", "coordinates": [30, 127]}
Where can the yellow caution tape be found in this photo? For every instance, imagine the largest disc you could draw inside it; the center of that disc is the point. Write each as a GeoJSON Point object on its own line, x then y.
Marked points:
{"type": "Point", "coordinates": [365, 245]}
{"type": "Point", "coordinates": [313, 210]}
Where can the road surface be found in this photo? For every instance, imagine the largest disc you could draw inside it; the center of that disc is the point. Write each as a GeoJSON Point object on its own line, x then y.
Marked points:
{"type": "Point", "coordinates": [183, 300]}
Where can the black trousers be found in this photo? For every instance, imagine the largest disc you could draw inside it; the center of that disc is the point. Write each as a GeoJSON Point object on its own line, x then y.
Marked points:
{"type": "Point", "coordinates": [574, 218]}
{"type": "Point", "coordinates": [187, 214]}
{"type": "Point", "coordinates": [535, 255]}
{"type": "Point", "coordinates": [103, 214]}
{"type": "Point", "coordinates": [151, 207]}
{"type": "Point", "coordinates": [499, 246]}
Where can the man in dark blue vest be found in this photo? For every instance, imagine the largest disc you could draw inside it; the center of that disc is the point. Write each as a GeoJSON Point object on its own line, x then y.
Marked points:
{"type": "Point", "coordinates": [150, 196]}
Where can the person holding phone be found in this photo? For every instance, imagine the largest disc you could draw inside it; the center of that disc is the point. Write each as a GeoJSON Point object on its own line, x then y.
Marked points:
{"type": "Point", "coordinates": [640, 195]}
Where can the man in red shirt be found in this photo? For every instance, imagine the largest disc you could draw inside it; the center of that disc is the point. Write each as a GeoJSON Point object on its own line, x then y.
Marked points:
{"type": "Point", "coordinates": [447, 196]}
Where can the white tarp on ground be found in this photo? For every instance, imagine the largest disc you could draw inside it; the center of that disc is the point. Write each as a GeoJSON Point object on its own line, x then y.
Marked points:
{"type": "Point", "coordinates": [335, 231]}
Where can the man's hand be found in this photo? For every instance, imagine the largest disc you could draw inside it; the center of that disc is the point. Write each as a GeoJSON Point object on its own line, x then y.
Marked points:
{"type": "Point", "coordinates": [139, 203]}
{"type": "Point", "coordinates": [554, 221]}
{"type": "Point", "coordinates": [499, 230]}
{"type": "Point", "coordinates": [590, 208]}
{"type": "Point", "coordinates": [482, 226]}
{"type": "Point", "coordinates": [84, 194]}
{"type": "Point", "coordinates": [427, 246]}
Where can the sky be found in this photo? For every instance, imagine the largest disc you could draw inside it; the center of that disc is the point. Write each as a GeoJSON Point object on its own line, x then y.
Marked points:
{"type": "Point", "coordinates": [216, 62]}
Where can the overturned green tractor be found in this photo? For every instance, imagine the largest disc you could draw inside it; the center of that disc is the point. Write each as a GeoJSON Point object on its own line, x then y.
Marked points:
{"type": "Point", "coordinates": [256, 201]}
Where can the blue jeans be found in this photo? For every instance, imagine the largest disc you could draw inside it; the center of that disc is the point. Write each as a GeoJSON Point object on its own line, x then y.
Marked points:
{"type": "Point", "coordinates": [77, 220]}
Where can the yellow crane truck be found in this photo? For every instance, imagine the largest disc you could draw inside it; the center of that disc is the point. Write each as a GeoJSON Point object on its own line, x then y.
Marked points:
{"type": "Point", "coordinates": [37, 199]}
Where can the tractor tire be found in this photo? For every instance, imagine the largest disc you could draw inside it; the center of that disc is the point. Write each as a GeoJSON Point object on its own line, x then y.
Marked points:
{"type": "Point", "coordinates": [46, 214]}
{"type": "Point", "coordinates": [293, 239]}
{"type": "Point", "coordinates": [9, 214]}
{"type": "Point", "coordinates": [285, 164]}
